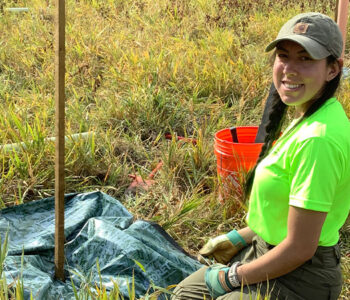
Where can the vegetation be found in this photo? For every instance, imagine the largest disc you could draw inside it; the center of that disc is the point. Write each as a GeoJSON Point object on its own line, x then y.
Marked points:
{"type": "Point", "coordinates": [136, 70]}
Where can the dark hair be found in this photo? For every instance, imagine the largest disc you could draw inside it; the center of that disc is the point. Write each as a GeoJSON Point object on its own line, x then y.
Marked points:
{"type": "Point", "coordinates": [277, 115]}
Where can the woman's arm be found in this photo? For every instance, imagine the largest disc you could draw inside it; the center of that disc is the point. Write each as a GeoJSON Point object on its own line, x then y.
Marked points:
{"type": "Point", "coordinates": [304, 229]}
{"type": "Point", "coordinates": [247, 234]}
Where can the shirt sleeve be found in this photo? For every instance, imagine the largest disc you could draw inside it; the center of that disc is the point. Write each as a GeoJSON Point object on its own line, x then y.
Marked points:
{"type": "Point", "coordinates": [314, 174]}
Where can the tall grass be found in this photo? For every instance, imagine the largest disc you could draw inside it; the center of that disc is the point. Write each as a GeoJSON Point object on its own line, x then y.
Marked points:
{"type": "Point", "coordinates": [135, 71]}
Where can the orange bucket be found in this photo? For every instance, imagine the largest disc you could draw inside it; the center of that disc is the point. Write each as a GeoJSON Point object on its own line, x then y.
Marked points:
{"type": "Point", "coordinates": [235, 157]}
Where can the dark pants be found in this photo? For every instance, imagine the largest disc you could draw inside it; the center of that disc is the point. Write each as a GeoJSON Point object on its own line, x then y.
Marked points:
{"type": "Point", "coordinates": [319, 278]}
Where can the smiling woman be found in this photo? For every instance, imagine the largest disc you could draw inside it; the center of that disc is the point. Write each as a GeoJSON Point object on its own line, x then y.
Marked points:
{"type": "Point", "coordinates": [298, 77]}
{"type": "Point", "coordinates": [299, 192]}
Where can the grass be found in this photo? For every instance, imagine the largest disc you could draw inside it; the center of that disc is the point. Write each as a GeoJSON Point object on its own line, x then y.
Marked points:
{"type": "Point", "coordinates": [135, 71]}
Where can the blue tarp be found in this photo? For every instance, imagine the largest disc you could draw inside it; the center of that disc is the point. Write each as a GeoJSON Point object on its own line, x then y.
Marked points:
{"type": "Point", "coordinates": [97, 226]}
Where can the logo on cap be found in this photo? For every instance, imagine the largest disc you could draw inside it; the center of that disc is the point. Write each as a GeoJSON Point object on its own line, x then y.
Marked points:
{"type": "Point", "coordinates": [300, 28]}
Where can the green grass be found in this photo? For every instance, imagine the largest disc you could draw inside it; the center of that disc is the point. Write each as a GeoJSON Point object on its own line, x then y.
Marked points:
{"type": "Point", "coordinates": [137, 69]}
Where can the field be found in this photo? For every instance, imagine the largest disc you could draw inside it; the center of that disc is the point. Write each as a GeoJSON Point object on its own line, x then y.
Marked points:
{"type": "Point", "coordinates": [135, 71]}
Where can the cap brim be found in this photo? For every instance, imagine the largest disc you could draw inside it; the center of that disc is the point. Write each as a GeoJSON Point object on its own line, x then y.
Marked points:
{"type": "Point", "coordinates": [315, 49]}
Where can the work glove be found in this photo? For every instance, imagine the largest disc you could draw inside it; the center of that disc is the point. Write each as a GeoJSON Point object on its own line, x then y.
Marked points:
{"type": "Point", "coordinates": [219, 279]}
{"type": "Point", "coordinates": [222, 247]}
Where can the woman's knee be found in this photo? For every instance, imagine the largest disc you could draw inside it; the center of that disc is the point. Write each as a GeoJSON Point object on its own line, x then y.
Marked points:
{"type": "Point", "coordinates": [192, 287]}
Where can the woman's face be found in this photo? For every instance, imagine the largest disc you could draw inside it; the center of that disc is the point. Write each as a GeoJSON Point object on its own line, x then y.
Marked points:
{"type": "Point", "coordinates": [298, 78]}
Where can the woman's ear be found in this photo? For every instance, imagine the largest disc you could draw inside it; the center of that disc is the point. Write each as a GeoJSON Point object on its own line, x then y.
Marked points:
{"type": "Point", "coordinates": [334, 69]}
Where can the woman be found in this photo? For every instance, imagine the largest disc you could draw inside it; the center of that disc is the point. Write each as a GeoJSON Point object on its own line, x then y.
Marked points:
{"type": "Point", "coordinates": [299, 193]}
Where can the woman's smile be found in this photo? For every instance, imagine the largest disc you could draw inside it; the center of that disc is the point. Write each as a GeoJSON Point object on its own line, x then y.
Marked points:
{"type": "Point", "coordinates": [291, 86]}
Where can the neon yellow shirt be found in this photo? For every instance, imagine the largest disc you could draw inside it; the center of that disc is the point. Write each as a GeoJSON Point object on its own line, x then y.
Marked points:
{"type": "Point", "coordinates": [307, 168]}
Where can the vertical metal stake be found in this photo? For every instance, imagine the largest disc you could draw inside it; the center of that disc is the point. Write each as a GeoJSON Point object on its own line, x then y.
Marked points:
{"type": "Point", "coordinates": [59, 133]}
{"type": "Point", "coordinates": [336, 11]}
{"type": "Point", "coordinates": [342, 19]}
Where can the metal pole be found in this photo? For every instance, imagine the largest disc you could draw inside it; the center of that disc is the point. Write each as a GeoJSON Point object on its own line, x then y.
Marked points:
{"type": "Point", "coordinates": [342, 18]}
{"type": "Point", "coordinates": [336, 11]}
{"type": "Point", "coordinates": [59, 133]}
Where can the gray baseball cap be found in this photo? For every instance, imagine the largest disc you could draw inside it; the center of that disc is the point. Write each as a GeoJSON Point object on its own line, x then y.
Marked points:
{"type": "Point", "coordinates": [318, 34]}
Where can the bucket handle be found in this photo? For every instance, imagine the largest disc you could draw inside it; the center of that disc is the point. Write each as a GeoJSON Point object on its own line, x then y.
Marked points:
{"type": "Point", "coordinates": [234, 136]}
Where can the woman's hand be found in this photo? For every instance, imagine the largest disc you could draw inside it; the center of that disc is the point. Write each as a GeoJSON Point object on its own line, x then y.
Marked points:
{"type": "Point", "coordinates": [217, 281]}
{"type": "Point", "coordinates": [224, 247]}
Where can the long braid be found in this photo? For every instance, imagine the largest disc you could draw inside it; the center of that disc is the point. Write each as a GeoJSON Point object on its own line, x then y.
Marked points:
{"type": "Point", "coordinates": [277, 116]}
{"type": "Point", "coordinates": [273, 128]}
